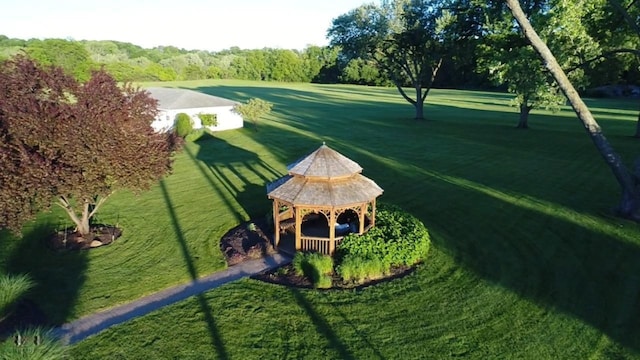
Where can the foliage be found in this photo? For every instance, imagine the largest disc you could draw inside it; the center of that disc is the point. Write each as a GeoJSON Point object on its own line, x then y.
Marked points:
{"type": "Point", "coordinates": [357, 269]}
{"type": "Point", "coordinates": [208, 119]}
{"type": "Point", "coordinates": [405, 38]}
{"type": "Point", "coordinates": [315, 266]}
{"type": "Point", "coordinates": [30, 344]}
{"type": "Point", "coordinates": [12, 289]}
{"type": "Point", "coordinates": [298, 263]}
{"type": "Point", "coordinates": [253, 110]}
{"type": "Point", "coordinates": [508, 59]}
{"type": "Point", "coordinates": [71, 56]}
{"type": "Point", "coordinates": [195, 135]}
{"type": "Point", "coordinates": [397, 239]}
{"type": "Point", "coordinates": [78, 143]}
{"type": "Point", "coordinates": [184, 125]}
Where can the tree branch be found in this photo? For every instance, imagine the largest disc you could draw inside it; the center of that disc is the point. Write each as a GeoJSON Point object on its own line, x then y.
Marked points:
{"type": "Point", "coordinates": [98, 204]}
{"type": "Point", "coordinates": [625, 14]}
{"type": "Point", "coordinates": [604, 56]}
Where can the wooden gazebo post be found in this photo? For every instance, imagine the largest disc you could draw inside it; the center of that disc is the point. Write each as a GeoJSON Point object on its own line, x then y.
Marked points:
{"type": "Point", "coordinates": [332, 231]}
{"type": "Point", "coordinates": [276, 222]}
{"type": "Point", "coordinates": [298, 214]}
{"type": "Point", "coordinates": [363, 213]}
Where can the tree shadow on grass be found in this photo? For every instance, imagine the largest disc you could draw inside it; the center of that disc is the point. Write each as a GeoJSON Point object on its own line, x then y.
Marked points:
{"type": "Point", "coordinates": [237, 175]}
{"type": "Point", "coordinates": [570, 267]}
{"type": "Point", "coordinates": [58, 275]}
{"type": "Point", "coordinates": [322, 326]}
{"type": "Point", "coordinates": [207, 311]}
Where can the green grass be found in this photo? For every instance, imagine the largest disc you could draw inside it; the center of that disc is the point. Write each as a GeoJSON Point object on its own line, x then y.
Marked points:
{"type": "Point", "coordinates": [526, 259]}
{"type": "Point", "coordinates": [12, 289]}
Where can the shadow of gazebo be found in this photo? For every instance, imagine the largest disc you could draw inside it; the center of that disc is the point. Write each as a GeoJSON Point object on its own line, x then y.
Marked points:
{"type": "Point", "coordinates": [323, 197]}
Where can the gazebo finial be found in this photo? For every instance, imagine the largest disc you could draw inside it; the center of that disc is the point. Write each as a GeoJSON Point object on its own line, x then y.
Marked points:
{"type": "Point", "coordinates": [323, 143]}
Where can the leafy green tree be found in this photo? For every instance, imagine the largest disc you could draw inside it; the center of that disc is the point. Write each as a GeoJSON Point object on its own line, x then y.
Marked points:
{"type": "Point", "coordinates": [73, 144]}
{"type": "Point", "coordinates": [321, 64]}
{"type": "Point", "coordinates": [615, 25]}
{"type": "Point", "coordinates": [362, 72]}
{"type": "Point", "coordinates": [405, 38]}
{"type": "Point", "coordinates": [507, 57]}
{"type": "Point", "coordinates": [71, 56]}
{"type": "Point", "coordinates": [629, 206]}
{"type": "Point", "coordinates": [253, 110]}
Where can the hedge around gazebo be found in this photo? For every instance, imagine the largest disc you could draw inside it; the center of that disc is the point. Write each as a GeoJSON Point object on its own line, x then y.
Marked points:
{"type": "Point", "coordinates": [326, 183]}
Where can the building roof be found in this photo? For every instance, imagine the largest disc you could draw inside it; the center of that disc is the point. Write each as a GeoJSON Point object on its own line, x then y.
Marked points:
{"type": "Point", "coordinates": [324, 178]}
{"type": "Point", "coordinates": [175, 99]}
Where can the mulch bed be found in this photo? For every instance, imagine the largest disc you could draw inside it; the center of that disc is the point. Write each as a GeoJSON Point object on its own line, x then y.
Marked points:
{"type": "Point", "coordinates": [69, 239]}
{"type": "Point", "coordinates": [247, 241]}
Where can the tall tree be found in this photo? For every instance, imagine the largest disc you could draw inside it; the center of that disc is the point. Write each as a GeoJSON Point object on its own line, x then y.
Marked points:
{"type": "Point", "coordinates": [405, 38]}
{"type": "Point", "coordinates": [70, 55]}
{"type": "Point", "coordinates": [629, 205]}
{"type": "Point", "coordinates": [73, 144]}
{"type": "Point", "coordinates": [508, 59]}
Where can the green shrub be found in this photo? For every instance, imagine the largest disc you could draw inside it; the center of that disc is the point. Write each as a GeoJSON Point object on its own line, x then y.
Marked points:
{"type": "Point", "coordinates": [321, 264]}
{"type": "Point", "coordinates": [298, 263]}
{"type": "Point", "coordinates": [184, 125]}
{"type": "Point", "coordinates": [325, 282]}
{"type": "Point", "coordinates": [208, 119]}
{"type": "Point", "coordinates": [32, 344]}
{"type": "Point", "coordinates": [398, 238]}
{"type": "Point", "coordinates": [357, 269]}
{"type": "Point", "coordinates": [12, 288]}
{"type": "Point", "coordinates": [194, 135]}
{"type": "Point", "coordinates": [314, 266]}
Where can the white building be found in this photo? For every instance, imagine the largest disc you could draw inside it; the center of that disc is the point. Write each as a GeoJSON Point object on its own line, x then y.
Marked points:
{"type": "Point", "coordinates": [172, 102]}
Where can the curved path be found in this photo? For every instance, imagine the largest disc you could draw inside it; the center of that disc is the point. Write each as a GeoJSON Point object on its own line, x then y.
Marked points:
{"type": "Point", "coordinates": [80, 329]}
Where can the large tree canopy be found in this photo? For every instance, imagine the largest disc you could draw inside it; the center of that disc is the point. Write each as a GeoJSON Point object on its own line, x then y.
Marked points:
{"type": "Point", "coordinates": [509, 60]}
{"type": "Point", "coordinates": [405, 38]}
{"type": "Point", "coordinates": [72, 143]}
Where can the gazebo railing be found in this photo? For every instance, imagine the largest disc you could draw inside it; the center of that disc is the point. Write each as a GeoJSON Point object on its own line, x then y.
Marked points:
{"type": "Point", "coordinates": [319, 244]}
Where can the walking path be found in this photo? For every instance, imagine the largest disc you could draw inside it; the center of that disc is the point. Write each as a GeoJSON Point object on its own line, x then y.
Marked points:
{"type": "Point", "coordinates": [80, 329]}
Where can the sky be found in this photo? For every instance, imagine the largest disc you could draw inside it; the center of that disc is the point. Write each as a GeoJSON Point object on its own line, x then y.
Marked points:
{"type": "Point", "coordinates": [211, 25]}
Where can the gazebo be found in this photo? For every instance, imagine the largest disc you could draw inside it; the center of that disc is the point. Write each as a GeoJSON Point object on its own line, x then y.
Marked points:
{"type": "Point", "coordinates": [323, 197]}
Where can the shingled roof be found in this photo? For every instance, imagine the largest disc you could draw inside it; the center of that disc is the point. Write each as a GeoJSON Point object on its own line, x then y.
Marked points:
{"type": "Point", "coordinates": [174, 99]}
{"type": "Point", "coordinates": [324, 178]}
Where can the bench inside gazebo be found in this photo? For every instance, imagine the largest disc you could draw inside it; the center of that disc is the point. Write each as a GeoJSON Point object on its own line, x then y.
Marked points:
{"type": "Point", "coordinates": [323, 197]}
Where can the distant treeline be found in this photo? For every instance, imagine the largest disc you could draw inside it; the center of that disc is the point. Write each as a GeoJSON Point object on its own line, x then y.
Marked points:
{"type": "Point", "coordinates": [129, 62]}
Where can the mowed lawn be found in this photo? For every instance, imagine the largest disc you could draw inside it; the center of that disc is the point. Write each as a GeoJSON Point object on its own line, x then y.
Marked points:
{"type": "Point", "coordinates": [527, 262]}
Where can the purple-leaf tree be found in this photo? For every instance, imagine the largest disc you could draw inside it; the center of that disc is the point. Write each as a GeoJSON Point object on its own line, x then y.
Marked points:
{"type": "Point", "coordinates": [73, 144]}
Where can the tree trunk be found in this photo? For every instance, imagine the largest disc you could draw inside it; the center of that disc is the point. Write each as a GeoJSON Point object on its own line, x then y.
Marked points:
{"type": "Point", "coordinates": [524, 116]}
{"type": "Point", "coordinates": [637, 134]}
{"type": "Point", "coordinates": [419, 104]}
{"type": "Point", "coordinates": [89, 208]}
{"type": "Point", "coordinates": [630, 200]}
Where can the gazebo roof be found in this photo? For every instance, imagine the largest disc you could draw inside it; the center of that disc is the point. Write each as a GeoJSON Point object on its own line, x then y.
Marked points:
{"type": "Point", "coordinates": [324, 178]}
{"type": "Point", "coordinates": [326, 164]}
